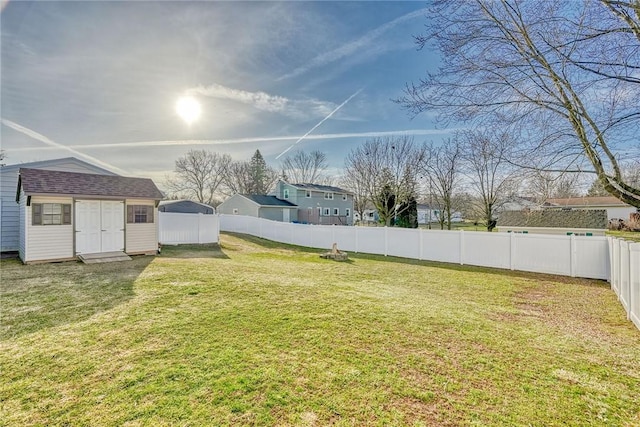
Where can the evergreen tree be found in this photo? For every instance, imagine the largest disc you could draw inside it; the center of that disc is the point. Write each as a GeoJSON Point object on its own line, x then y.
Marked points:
{"type": "Point", "coordinates": [261, 176]}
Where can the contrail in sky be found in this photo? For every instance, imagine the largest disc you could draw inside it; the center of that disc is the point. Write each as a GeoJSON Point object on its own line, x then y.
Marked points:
{"type": "Point", "coordinates": [319, 123]}
{"type": "Point", "coordinates": [39, 137]}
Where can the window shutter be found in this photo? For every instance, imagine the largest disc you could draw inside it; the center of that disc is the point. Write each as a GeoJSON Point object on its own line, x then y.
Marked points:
{"type": "Point", "coordinates": [150, 214]}
{"type": "Point", "coordinates": [66, 214]}
{"type": "Point", "coordinates": [130, 214]}
{"type": "Point", "coordinates": [36, 214]}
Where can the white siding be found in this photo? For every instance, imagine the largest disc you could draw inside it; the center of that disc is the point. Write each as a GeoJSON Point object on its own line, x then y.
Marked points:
{"type": "Point", "coordinates": [47, 242]}
{"type": "Point", "coordinates": [141, 237]}
{"type": "Point", "coordinates": [9, 212]}
{"type": "Point", "coordinates": [621, 212]}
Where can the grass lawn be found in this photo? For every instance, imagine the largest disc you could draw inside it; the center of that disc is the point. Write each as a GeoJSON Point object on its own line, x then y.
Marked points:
{"type": "Point", "coordinates": [258, 333]}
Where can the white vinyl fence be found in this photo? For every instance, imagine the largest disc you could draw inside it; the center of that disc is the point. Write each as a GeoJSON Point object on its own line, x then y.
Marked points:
{"type": "Point", "coordinates": [180, 228]}
{"type": "Point", "coordinates": [625, 276]}
{"type": "Point", "coordinates": [576, 256]}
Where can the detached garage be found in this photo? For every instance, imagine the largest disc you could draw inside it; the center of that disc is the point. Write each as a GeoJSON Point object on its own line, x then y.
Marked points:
{"type": "Point", "coordinates": [64, 215]}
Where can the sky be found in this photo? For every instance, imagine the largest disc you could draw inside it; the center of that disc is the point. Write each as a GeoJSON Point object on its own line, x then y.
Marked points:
{"type": "Point", "coordinates": [100, 80]}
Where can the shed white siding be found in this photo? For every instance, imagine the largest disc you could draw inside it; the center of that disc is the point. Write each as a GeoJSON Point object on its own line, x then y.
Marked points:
{"type": "Point", "coordinates": [22, 238]}
{"type": "Point", "coordinates": [141, 238]}
{"type": "Point", "coordinates": [9, 208]}
{"type": "Point", "coordinates": [46, 242]}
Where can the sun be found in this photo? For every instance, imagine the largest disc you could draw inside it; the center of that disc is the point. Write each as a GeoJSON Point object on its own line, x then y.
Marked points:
{"type": "Point", "coordinates": [188, 108]}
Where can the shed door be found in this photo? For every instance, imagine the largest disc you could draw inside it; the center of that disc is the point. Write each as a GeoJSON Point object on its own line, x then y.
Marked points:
{"type": "Point", "coordinates": [285, 215]}
{"type": "Point", "coordinates": [99, 226]}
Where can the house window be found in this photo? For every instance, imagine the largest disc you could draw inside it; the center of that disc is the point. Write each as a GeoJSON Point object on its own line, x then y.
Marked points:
{"type": "Point", "coordinates": [307, 194]}
{"type": "Point", "coordinates": [336, 211]}
{"type": "Point", "coordinates": [328, 196]}
{"type": "Point", "coordinates": [139, 214]}
{"type": "Point", "coordinates": [344, 197]}
{"type": "Point", "coordinates": [50, 214]}
{"type": "Point", "coordinates": [286, 193]}
{"type": "Point", "coordinates": [235, 211]}
{"type": "Point", "coordinates": [347, 212]}
{"type": "Point", "coordinates": [325, 212]}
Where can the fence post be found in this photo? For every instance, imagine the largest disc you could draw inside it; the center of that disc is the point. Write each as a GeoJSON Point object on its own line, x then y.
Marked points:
{"type": "Point", "coordinates": [420, 239]}
{"type": "Point", "coordinates": [461, 247]}
{"type": "Point", "coordinates": [512, 250]}
{"type": "Point", "coordinates": [386, 240]}
{"type": "Point", "coordinates": [356, 233]}
{"type": "Point", "coordinates": [572, 255]}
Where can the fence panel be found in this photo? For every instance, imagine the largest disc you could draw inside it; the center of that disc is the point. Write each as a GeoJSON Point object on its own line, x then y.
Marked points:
{"type": "Point", "coordinates": [403, 242]}
{"type": "Point", "coordinates": [371, 240]}
{"type": "Point", "coordinates": [542, 253]}
{"type": "Point", "coordinates": [487, 249]}
{"type": "Point", "coordinates": [442, 246]}
{"type": "Point", "coordinates": [592, 257]}
{"type": "Point", "coordinates": [625, 274]}
{"type": "Point", "coordinates": [183, 228]}
{"type": "Point", "coordinates": [634, 300]}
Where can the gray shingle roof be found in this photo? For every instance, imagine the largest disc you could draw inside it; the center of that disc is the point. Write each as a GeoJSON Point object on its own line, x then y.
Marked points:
{"type": "Point", "coordinates": [39, 181]}
{"type": "Point", "coordinates": [328, 188]}
{"type": "Point", "coordinates": [264, 200]}
{"type": "Point", "coordinates": [575, 218]}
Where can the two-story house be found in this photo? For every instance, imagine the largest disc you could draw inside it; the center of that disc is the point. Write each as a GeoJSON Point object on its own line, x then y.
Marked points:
{"type": "Point", "coordinates": [318, 204]}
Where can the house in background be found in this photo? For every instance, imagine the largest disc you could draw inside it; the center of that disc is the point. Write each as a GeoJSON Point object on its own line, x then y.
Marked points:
{"type": "Point", "coordinates": [9, 209]}
{"type": "Point", "coordinates": [185, 206]}
{"type": "Point", "coordinates": [65, 215]}
{"type": "Point", "coordinates": [615, 208]}
{"type": "Point", "coordinates": [428, 214]}
{"type": "Point", "coordinates": [591, 222]}
{"type": "Point", "coordinates": [317, 204]}
{"type": "Point", "coordinates": [260, 206]}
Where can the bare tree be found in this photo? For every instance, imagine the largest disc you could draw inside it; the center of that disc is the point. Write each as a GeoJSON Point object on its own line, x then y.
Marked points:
{"type": "Point", "coordinates": [238, 179]}
{"type": "Point", "coordinates": [443, 167]}
{"type": "Point", "coordinates": [492, 177]}
{"type": "Point", "coordinates": [385, 166]}
{"type": "Point", "coordinates": [198, 174]}
{"type": "Point", "coordinates": [546, 185]}
{"type": "Point", "coordinates": [566, 72]}
{"type": "Point", "coordinates": [356, 183]}
{"type": "Point", "coordinates": [304, 167]}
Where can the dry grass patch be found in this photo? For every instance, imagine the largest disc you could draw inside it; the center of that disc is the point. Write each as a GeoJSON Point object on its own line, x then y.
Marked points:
{"type": "Point", "coordinates": [258, 333]}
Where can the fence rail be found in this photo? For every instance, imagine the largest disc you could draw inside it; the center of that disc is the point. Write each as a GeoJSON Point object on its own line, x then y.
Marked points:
{"type": "Point", "coordinates": [182, 228]}
{"type": "Point", "coordinates": [594, 257]}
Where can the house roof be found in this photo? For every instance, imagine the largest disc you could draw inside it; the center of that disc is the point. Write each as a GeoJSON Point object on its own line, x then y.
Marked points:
{"type": "Point", "coordinates": [265, 200]}
{"type": "Point", "coordinates": [55, 162]}
{"type": "Point", "coordinates": [41, 182]}
{"type": "Point", "coordinates": [585, 202]}
{"type": "Point", "coordinates": [577, 218]}
{"type": "Point", "coordinates": [185, 206]}
{"type": "Point", "coordinates": [318, 187]}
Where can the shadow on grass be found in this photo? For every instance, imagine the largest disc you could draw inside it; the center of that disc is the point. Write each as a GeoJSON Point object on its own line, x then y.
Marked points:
{"type": "Point", "coordinates": [40, 296]}
{"type": "Point", "coordinates": [353, 256]}
{"type": "Point", "coordinates": [208, 250]}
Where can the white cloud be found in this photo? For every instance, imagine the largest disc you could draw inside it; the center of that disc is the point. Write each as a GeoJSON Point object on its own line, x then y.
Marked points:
{"type": "Point", "coordinates": [299, 109]}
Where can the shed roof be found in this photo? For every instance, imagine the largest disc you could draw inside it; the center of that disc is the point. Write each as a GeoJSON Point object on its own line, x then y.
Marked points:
{"type": "Point", "coordinates": [185, 206]}
{"type": "Point", "coordinates": [265, 200]}
{"type": "Point", "coordinates": [40, 181]}
{"type": "Point", "coordinates": [575, 218]}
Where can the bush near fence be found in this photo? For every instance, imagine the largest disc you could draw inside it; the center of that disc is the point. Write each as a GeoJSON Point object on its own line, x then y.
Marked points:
{"type": "Point", "coordinates": [575, 256]}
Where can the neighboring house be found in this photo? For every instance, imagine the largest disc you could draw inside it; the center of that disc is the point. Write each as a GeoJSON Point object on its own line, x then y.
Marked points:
{"type": "Point", "coordinates": [427, 214]}
{"type": "Point", "coordinates": [590, 222]}
{"type": "Point", "coordinates": [185, 206]}
{"type": "Point", "coordinates": [260, 206]}
{"type": "Point", "coordinates": [318, 204]}
{"type": "Point", "coordinates": [519, 203]}
{"type": "Point", "coordinates": [66, 214]}
{"type": "Point", "coordinates": [9, 209]}
{"type": "Point", "coordinates": [368, 216]}
{"type": "Point", "coordinates": [615, 208]}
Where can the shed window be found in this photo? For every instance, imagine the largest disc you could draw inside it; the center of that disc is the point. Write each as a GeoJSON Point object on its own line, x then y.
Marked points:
{"type": "Point", "coordinates": [139, 214]}
{"type": "Point", "coordinates": [50, 214]}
